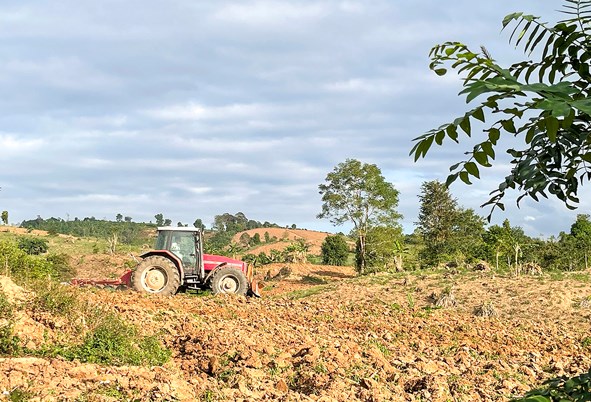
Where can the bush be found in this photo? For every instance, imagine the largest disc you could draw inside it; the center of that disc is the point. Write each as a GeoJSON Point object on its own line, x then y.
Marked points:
{"type": "Point", "coordinates": [334, 250]}
{"type": "Point", "coordinates": [115, 342]}
{"type": "Point", "coordinates": [60, 266]}
{"type": "Point", "coordinates": [32, 245]}
{"type": "Point", "coordinates": [23, 266]}
{"type": "Point", "coordinates": [575, 389]}
{"type": "Point", "coordinates": [9, 343]}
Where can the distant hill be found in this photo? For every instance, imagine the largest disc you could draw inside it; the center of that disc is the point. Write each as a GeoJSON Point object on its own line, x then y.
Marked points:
{"type": "Point", "coordinates": [283, 238]}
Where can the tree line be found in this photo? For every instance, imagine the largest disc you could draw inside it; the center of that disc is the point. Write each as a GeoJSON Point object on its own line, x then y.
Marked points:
{"type": "Point", "coordinates": [446, 234]}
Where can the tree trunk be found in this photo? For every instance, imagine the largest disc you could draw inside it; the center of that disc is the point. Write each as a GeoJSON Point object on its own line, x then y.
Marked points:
{"type": "Point", "coordinates": [361, 254]}
{"type": "Point", "coordinates": [497, 257]}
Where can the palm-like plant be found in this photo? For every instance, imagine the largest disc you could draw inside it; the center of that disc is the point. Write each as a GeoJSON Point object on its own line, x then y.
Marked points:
{"type": "Point", "coordinates": [545, 103]}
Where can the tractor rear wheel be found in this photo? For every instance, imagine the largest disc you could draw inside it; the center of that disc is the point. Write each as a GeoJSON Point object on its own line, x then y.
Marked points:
{"type": "Point", "coordinates": [229, 280]}
{"type": "Point", "coordinates": [156, 274]}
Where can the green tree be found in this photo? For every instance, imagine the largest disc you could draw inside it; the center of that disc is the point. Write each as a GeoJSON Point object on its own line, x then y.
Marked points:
{"type": "Point", "coordinates": [267, 237]}
{"type": "Point", "coordinates": [437, 216]}
{"type": "Point", "coordinates": [32, 245]}
{"type": "Point", "coordinates": [159, 219]}
{"type": "Point", "coordinates": [358, 193]}
{"type": "Point", "coordinates": [449, 232]}
{"type": "Point", "coordinates": [199, 224]}
{"type": "Point", "coordinates": [467, 242]}
{"type": "Point", "coordinates": [383, 248]}
{"type": "Point", "coordinates": [334, 250]}
{"type": "Point", "coordinates": [4, 217]}
{"type": "Point", "coordinates": [544, 103]}
{"type": "Point", "coordinates": [119, 218]}
{"type": "Point", "coordinates": [167, 222]}
{"type": "Point", "coordinates": [256, 239]}
{"type": "Point", "coordinates": [581, 231]}
{"type": "Point", "coordinates": [245, 239]}
{"type": "Point", "coordinates": [127, 219]}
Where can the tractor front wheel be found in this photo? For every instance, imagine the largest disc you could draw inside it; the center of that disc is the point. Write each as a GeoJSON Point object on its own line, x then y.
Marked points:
{"type": "Point", "coordinates": [156, 274]}
{"type": "Point", "coordinates": [229, 280]}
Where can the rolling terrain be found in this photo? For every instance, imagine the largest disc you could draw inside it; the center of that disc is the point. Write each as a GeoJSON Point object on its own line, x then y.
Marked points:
{"type": "Point", "coordinates": [318, 333]}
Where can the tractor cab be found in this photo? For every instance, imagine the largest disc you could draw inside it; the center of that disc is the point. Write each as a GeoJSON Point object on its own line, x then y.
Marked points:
{"type": "Point", "coordinates": [185, 244]}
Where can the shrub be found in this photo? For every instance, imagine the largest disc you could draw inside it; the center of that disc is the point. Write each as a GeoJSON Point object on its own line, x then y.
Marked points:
{"type": "Point", "coordinates": [334, 250]}
{"type": "Point", "coordinates": [32, 245]}
{"type": "Point", "coordinates": [6, 309]}
{"type": "Point", "coordinates": [575, 389]}
{"type": "Point", "coordinates": [116, 342]}
{"type": "Point", "coordinates": [60, 266]}
{"type": "Point", "coordinates": [23, 266]}
{"type": "Point", "coordinates": [9, 343]}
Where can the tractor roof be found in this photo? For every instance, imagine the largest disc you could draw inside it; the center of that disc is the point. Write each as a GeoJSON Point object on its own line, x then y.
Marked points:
{"type": "Point", "coordinates": [177, 229]}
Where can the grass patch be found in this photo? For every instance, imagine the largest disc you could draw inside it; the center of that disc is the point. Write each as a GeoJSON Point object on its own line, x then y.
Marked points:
{"type": "Point", "coordinates": [20, 395]}
{"type": "Point", "coordinates": [381, 347]}
{"type": "Point", "coordinates": [113, 342]}
{"type": "Point", "coordinates": [313, 280]}
{"type": "Point", "coordinates": [300, 294]}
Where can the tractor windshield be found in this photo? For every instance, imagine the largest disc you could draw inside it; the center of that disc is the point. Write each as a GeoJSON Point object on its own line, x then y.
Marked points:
{"type": "Point", "coordinates": [181, 244]}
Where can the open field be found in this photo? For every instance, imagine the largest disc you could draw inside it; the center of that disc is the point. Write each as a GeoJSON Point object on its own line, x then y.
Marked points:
{"type": "Point", "coordinates": [323, 334]}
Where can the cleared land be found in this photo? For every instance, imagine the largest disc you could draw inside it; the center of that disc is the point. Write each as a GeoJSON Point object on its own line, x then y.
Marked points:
{"type": "Point", "coordinates": [321, 333]}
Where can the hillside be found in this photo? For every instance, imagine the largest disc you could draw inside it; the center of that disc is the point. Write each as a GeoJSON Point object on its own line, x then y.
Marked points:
{"type": "Point", "coordinates": [284, 237]}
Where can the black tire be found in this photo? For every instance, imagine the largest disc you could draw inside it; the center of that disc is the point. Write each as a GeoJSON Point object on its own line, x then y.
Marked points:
{"type": "Point", "coordinates": [229, 280]}
{"type": "Point", "coordinates": [156, 275]}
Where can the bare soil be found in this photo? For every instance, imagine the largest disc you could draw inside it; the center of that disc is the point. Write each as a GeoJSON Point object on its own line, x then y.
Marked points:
{"type": "Point", "coordinates": [284, 238]}
{"type": "Point", "coordinates": [322, 334]}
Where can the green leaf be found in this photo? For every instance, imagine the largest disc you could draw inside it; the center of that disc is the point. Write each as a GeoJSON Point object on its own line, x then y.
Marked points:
{"type": "Point", "coordinates": [510, 18]}
{"type": "Point", "coordinates": [481, 158]}
{"type": "Point", "coordinates": [465, 125]}
{"type": "Point", "coordinates": [530, 135]}
{"type": "Point", "coordinates": [583, 105]}
{"type": "Point", "coordinates": [478, 114]}
{"type": "Point", "coordinates": [464, 177]}
{"type": "Point", "coordinates": [552, 125]}
{"type": "Point", "coordinates": [452, 132]}
{"type": "Point", "coordinates": [488, 149]}
{"type": "Point", "coordinates": [493, 135]}
{"type": "Point", "coordinates": [439, 137]}
{"type": "Point", "coordinates": [509, 126]}
{"type": "Point", "coordinates": [440, 71]}
{"type": "Point", "coordinates": [450, 179]}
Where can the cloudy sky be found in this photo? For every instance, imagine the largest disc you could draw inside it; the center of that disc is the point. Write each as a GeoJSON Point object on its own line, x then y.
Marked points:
{"type": "Point", "coordinates": [194, 108]}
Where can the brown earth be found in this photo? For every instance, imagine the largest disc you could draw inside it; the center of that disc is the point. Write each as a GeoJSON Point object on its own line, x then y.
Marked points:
{"type": "Point", "coordinates": [322, 334]}
{"type": "Point", "coordinates": [284, 238]}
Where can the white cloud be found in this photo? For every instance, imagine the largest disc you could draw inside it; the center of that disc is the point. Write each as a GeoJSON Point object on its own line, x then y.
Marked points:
{"type": "Point", "coordinates": [11, 145]}
{"type": "Point", "coordinates": [270, 13]}
{"type": "Point", "coordinates": [194, 111]}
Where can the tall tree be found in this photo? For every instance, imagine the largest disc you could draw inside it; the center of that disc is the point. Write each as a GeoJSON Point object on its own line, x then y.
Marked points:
{"type": "Point", "coordinates": [437, 216]}
{"type": "Point", "coordinates": [4, 217]}
{"type": "Point", "coordinates": [358, 193]}
{"type": "Point", "coordinates": [581, 231]}
{"type": "Point", "coordinates": [159, 219]}
{"type": "Point", "coordinates": [199, 224]}
{"type": "Point", "coordinates": [544, 103]}
{"type": "Point", "coordinates": [449, 231]}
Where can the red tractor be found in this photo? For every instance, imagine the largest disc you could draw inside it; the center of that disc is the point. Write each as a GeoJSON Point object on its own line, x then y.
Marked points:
{"type": "Point", "coordinates": [178, 263]}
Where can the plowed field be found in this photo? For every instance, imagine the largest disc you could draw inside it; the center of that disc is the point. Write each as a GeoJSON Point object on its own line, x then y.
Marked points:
{"type": "Point", "coordinates": [322, 334]}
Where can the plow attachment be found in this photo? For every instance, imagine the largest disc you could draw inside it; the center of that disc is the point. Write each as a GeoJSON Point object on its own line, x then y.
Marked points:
{"type": "Point", "coordinates": [123, 282]}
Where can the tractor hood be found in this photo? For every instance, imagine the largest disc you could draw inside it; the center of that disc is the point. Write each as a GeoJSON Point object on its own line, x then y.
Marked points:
{"type": "Point", "coordinates": [210, 261]}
